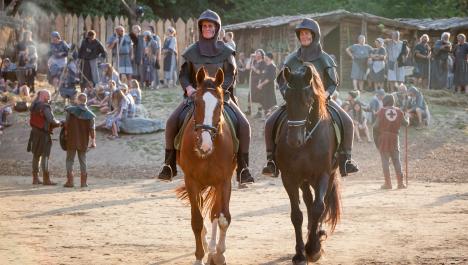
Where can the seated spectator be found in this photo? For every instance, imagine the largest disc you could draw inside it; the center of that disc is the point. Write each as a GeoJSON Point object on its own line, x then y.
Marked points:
{"type": "Point", "coordinates": [90, 92]}
{"type": "Point", "coordinates": [334, 96]}
{"type": "Point", "coordinates": [417, 108]}
{"type": "Point", "coordinates": [3, 87]}
{"type": "Point", "coordinates": [135, 91]}
{"type": "Point", "coordinates": [401, 97]}
{"type": "Point", "coordinates": [109, 73]}
{"type": "Point", "coordinates": [360, 122]}
{"type": "Point", "coordinates": [375, 104]}
{"type": "Point", "coordinates": [131, 108]}
{"type": "Point", "coordinates": [6, 104]}
{"type": "Point", "coordinates": [353, 97]}
{"type": "Point", "coordinates": [8, 70]}
{"type": "Point", "coordinates": [114, 118]}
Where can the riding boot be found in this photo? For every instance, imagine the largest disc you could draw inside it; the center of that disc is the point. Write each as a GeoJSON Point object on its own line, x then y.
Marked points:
{"type": "Point", "coordinates": [388, 183]}
{"type": "Point", "coordinates": [69, 183]}
{"type": "Point", "coordinates": [243, 173]}
{"type": "Point", "coordinates": [46, 179]}
{"type": "Point", "coordinates": [169, 169]}
{"type": "Point", "coordinates": [270, 168]}
{"type": "Point", "coordinates": [84, 178]}
{"type": "Point", "coordinates": [36, 180]}
{"type": "Point", "coordinates": [347, 165]}
{"type": "Point", "coordinates": [401, 185]}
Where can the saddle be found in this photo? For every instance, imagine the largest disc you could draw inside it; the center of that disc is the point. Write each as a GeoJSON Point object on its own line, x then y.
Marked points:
{"type": "Point", "coordinates": [187, 113]}
{"type": "Point", "coordinates": [337, 123]}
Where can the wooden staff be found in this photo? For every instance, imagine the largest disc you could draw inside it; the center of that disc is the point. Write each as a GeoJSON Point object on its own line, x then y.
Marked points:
{"type": "Point", "coordinates": [406, 154]}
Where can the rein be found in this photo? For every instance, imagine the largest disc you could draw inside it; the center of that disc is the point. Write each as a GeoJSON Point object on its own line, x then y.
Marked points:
{"type": "Point", "coordinates": [301, 123]}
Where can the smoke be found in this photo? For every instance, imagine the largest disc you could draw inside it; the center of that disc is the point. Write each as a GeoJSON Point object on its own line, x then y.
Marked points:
{"type": "Point", "coordinates": [33, 15]}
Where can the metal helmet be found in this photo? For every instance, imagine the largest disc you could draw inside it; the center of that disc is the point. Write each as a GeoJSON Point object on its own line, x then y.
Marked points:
{"type": "Point", "coordinates": [210, 15]}
{"type": "Point", "coordinates": [311, 25]}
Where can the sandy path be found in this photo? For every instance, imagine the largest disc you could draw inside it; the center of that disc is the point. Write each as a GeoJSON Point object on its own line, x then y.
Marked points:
{"type": "Point", "coordinates": [141, 222]}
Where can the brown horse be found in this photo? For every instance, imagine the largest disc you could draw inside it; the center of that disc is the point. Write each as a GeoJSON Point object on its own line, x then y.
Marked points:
{"type": "Point", "coordinates": [208, 159]}
{"type": "Point", "coordinates": [306, 158]}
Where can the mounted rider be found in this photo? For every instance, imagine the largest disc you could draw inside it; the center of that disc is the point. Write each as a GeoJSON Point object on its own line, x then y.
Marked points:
{"type": "Point", "coordinates": [311, 53]}
{"type": "Point", "coordinates": [212, 54]}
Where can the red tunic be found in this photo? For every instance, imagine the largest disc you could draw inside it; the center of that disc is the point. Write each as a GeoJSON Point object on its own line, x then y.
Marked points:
{"type": "Point", "coordinates": [390, 119]}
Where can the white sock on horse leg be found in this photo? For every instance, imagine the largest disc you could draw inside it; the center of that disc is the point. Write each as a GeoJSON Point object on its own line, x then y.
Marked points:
{"type": "Point", "coordinates": [214, 232]}
{"type": "Point", "coordinates": [223, 226]}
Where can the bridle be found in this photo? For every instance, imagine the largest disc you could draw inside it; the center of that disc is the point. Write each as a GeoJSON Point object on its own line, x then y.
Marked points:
{"type": "Point", "coordinates": [212, 130]}
{"type": "Point", "coordinates": [304, 122]}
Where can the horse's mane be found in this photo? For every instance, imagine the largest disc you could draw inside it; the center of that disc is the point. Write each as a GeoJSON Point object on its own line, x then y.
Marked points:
{"type": "Point", "coordinates": [316, 85]}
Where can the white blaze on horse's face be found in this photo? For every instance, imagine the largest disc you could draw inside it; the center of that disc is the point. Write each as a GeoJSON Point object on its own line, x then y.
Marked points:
{"type": "Point", "coordinates": [210, 105]}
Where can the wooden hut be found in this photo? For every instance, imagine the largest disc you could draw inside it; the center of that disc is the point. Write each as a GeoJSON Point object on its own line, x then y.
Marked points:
{"type": "Point", "coordinates": [339, 29]}
{"type": "Point", "coordinates": [435, 27]}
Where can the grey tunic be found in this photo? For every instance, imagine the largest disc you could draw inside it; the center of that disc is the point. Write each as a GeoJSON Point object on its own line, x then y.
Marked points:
{"type": "Point", "coordinates": [360, 55]}
{"type": "Point", "coordinates": [460, 70]}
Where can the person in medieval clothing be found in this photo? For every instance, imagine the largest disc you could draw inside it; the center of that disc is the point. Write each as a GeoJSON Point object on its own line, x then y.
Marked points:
{"type": "Point", "coordinates": [42, 123]}
{"type": "Point", "coordinates": [360, 53]}
{"type": "Point", "coordinates": [267, 84]}
{"type": "Point", "coordinates": [440, 64]}
{"type": "Point", "coordinates": [377, 64]}
{"type": "Point", "coordinates": [58, 54]}
{"type": "Point", "coordinates": [70, 78]}
{"type": "Point", "coordinates": [169, 50]}
{"type": "Point", "coordinates": [310, 52]}
{"type": "Point", "coordinates": [375, 104]}
{"type": "Point", "coordinates": [422, 56]}
{"type": "Point", "coordinates": [27, 60]}
{"type": "Point", "coordinates": [460, 52]}
{"type": "Point", "coordinates": [211, 54]}
{"type": "Point", "coordinates": [152, 51]}
{"type": "Point", "coordinates": [91, 50]}
{"type": "Point", "coordinates": [417, 107]}
{"type": "Point", "coordinates": [396, 71]}
{"type": "Point", "coordinates": [79, 130]}
{"type": "Point", "coordinates": [257, 67]}
{"type": "Point", "coordinates": [138, 50]}
{"type": "Point", "coordinates": [243, 73]}
{"type": "Point", "coordinates": [122, 52]}
{"type": "Point", "coordinates": [386, 130]}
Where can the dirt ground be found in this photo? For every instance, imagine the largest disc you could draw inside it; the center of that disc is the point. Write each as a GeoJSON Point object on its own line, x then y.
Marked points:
{"type": "Point", "coordinates": [126, 217]}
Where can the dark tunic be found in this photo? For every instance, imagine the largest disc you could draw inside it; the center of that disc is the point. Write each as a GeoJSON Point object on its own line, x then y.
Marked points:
{"type": "Point", "coordinates": [194, 61]}
{"type": "Point", "coordinates": [460, 66]}
{"type": "Point", "coordinates": [439, 66]}
{"type": "Point", "coordinates": [79, 126]}
{"type": "Point", "coordinates": [268, 90]}
{"type": "Point", "coordinates": [377, 68]}
{"type": "Point", "coordinates": [256, 94]}
{"type": "Point", "coordinates": [40, 142]}
{"type": "Point", "coordinates": [421, 65]}
{"type": "Point", "coordinates": [90, 50]}
{"type": "Point", "coordinates": [324, 64]}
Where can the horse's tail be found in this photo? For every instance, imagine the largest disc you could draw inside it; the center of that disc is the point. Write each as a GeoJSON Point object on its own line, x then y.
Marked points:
{"type": "Point", "coordinates": [332, 212]}
{"type": "Point", "coordinates": [207, 198]}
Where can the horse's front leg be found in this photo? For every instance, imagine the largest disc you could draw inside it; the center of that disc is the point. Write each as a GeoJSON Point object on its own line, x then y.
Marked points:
{"type": "Point", "coordinates": [313, 247]}
{"type": "Point", "coordinates": [296, 218]}
{"type": "Point", "coordinates": [223, 220]}
{"type": "Point", "coordinates": [193, 191]}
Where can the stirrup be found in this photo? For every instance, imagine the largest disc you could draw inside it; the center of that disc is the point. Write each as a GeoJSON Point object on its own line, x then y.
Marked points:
{"type": "Point", "coordinates": [161, 170]}
{"type": "Point", "coordinates": [352, 162]}
{"type": "Point", "coordinates": [240, 176]}
{"type": "Point", "coordinates": [275, 168]}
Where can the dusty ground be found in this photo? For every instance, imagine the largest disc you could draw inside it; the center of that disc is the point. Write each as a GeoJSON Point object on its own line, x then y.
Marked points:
{"type": "Point", "coordinates": [125, 217]}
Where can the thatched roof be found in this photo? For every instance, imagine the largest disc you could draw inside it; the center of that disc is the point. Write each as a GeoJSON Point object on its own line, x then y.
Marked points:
{"type": "Point", "coordinates": [437, 24]}
{"type": "Point", "coordinates": [332, 16]}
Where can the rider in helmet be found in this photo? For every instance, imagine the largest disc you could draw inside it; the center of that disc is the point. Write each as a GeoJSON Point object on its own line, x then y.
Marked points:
{"type": "Point", "coordinates": [212, 54]}
{"type": "Point", "coordinates": [311, 53]}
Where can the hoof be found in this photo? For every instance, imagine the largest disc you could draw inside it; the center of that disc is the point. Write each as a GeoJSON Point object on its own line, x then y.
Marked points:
{"type": "Point", "coordinates": [315, 257]}
{"type": "Point", "coordinates": [299, 260]}
{"type": "Point", "coordinates": [198, 262]}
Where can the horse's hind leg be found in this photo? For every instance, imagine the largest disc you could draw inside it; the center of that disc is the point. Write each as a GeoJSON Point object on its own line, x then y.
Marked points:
{"type": "Point", "coordinates": [296, 219]}
{"type": "Point", "coordinates": [197, 220]}
{"type": "Point", "coordinates": [313, 247]}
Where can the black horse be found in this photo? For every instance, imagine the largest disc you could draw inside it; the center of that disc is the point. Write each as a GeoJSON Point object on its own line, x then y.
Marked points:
{"type": "Point", "coordinates": [305, 155]}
